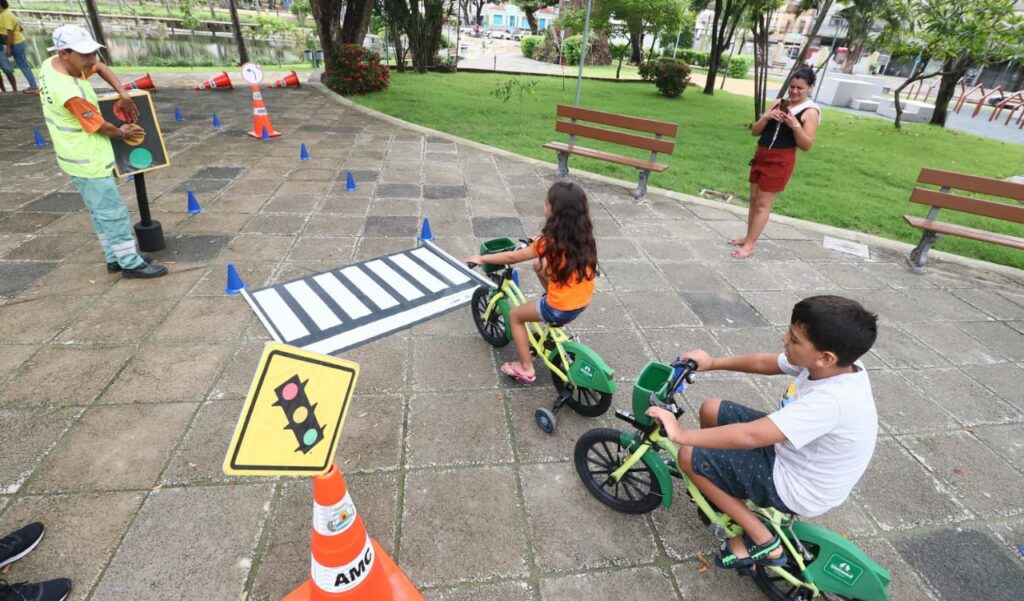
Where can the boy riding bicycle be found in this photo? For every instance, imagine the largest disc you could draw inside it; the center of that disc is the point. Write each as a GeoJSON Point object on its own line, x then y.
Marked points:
{"type": "Point", "coordinates": [804, 458]}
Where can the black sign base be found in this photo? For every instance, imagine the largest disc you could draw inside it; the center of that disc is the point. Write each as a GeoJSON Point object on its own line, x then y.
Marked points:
{"type": "Point", "coordinates": [150, 236]}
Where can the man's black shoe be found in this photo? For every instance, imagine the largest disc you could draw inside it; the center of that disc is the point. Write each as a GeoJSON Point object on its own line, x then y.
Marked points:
{"type": "Point", "coordinates": [146, 270]}
{"type": "Point", "coordinates": [114, 267]}
{"type": "Point", "coordinates": [19, 543]}
{"type": "Point", "coordinates": [51, 590]}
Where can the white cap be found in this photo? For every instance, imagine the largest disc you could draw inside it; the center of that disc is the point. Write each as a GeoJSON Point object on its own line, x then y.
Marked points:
{"type": "Point", "coordinates": [74, 37]}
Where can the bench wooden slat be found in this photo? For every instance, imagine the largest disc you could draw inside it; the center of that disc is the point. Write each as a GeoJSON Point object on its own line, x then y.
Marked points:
{"type": "Point", "coordinates": [652, 126]}
{"type": "Point", "coordinates": [965, 232]}
{"type": "Point", "coordinates": [618, 137]}
{"type": "Point", "coordinates": [967, 204]}
{"type": "Point", "coordinates": [605, 156]}
{"type": "Point", "coordinates": [972, 183]}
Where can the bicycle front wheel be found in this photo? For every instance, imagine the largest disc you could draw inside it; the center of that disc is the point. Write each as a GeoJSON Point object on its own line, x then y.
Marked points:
{"type": "Point", "coordinates": [598, 453]}
{"type": "Point", "coordinates": [493, 328]}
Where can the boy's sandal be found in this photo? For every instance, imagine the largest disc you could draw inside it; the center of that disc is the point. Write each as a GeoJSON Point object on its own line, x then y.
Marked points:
{"type": "Point", "coordinates": [760, 553]}
{"type": "Point", "coordinates": [728, 560]}
{"type": "Point", "coordinates": [510, 370]}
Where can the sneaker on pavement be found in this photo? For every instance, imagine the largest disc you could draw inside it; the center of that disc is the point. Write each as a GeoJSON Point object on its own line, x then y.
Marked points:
{"type": "Point", "coordinates": [51, 590]}
{"type": "Point", "coordinates": [19, 543]}
{"type": "Point", "coordinates": [146, 270]}
{"type": "Point", "coordinates": [114, 267]}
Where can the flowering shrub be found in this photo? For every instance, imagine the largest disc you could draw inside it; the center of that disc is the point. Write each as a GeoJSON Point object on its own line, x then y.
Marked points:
{"type": "Point", "coordinates": [352, 69]}
{"type": "Point", "coordinates": [669, 75]}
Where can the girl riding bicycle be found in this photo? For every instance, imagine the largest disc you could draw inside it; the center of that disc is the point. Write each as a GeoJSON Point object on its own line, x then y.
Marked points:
{"type": "Point", "coordinates": [566, 265]}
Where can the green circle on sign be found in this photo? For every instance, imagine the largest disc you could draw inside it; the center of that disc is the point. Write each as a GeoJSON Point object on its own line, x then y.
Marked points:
{"type": "Point", "coordinates": [309, 437]}
{"type": "Point", "coordinates": [140, 158]}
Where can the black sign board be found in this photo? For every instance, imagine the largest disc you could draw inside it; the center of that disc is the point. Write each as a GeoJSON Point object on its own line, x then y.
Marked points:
{"type": "Point", "coordinates": [150, 153]}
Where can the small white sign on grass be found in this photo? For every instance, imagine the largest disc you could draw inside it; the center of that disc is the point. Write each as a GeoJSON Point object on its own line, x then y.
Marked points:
{"type": "Point", "coordinates": [847, 246]}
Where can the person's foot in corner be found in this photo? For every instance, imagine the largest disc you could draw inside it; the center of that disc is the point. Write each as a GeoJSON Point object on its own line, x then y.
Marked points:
{"type": "Point", "coordinates": [20, 543]}
{"type": "Point", "coordinates": [51, 590]}
{"type": "Point", "coordinates": [145, 270]}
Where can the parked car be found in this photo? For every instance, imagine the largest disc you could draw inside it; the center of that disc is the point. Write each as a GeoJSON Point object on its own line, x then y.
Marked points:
{"type": "Point", "coordinates": [995, 99]}
{"type": "Point", "coordinates": [499, 33]}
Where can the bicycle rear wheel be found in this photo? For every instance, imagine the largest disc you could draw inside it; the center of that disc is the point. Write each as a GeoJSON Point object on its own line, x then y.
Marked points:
{"type": "Point", "coordinates": [586, 402]}
{"type": "Point", "coordinates": [777, 588]}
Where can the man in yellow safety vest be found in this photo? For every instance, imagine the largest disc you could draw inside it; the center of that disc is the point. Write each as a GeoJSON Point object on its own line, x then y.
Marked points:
{"type": "Point", "coordinates": [81, 138]}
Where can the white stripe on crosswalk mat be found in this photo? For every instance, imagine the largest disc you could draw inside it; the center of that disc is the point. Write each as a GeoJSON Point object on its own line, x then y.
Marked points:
{"type": "Point", "coordinates": [337, 310]}
{"type": "Point", "coordinates": [437, 264]}
{"type": "Point", "coordinates": [341, 295]}
{"type": "Point", "coordinates": [369, 287]}
{"type": "Point", "coordinates": [394, 280]}
{"type": "Point", "coordinates": [418, 273]}
{"type": "Point", "coordinates": [317, 309]}
{"type": "Point", "coordinates": [284, 320]}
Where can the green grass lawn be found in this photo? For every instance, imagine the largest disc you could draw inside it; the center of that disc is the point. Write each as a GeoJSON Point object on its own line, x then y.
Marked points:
{"type": "Point", "coordinates": [858, 176]}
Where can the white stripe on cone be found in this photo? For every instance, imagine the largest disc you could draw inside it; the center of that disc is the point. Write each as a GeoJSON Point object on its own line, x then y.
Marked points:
{"type": "Point", "coordinates": [331, 520]}
{"type": "Point", "coordinates": [347, 577]}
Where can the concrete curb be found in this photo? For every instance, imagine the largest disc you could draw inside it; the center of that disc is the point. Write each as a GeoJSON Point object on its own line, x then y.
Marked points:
{"type": "Point", "coordinates": [1005, 270]}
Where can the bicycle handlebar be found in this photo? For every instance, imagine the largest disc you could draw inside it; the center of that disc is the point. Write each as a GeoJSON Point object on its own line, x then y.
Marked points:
{"type": "Point", "coordinates": [685, 370]}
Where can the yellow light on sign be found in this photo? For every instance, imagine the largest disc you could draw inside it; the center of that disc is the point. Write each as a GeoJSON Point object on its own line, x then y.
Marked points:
{"type": "Point", "coordinates": [292, 419]}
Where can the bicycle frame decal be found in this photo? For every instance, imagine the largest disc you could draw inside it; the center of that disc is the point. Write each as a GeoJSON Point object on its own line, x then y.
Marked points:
{"type": "Point", "coordinates": [843, 569]}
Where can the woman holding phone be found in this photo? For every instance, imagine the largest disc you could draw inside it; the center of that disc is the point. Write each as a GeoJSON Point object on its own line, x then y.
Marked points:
{"type": "Point", "coordinates": [789, 124]}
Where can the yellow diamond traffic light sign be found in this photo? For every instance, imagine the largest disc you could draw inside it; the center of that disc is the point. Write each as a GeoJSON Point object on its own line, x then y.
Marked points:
{"type": "Point", "coordinates": [291, 421]}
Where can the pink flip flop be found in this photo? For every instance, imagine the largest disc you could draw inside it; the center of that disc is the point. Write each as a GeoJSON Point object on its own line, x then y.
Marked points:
{"type": "Point", "coordinates": [510, 370]}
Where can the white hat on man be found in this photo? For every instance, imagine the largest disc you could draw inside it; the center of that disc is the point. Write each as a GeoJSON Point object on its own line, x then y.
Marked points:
{"type": "Point", "coordinates": [74, 37]}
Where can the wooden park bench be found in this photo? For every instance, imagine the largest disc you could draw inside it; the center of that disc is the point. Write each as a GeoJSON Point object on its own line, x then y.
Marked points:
{"type": "Point", "coordinates": [645, 134]}
{"type": "Point", "coordinates": [932, 230]}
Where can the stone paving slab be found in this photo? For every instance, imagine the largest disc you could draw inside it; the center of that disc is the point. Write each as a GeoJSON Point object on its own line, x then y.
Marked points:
{"type": "Point", "coordinates": [118, 397]}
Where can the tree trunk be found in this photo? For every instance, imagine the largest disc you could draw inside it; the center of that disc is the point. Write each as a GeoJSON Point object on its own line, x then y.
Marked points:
{"type": "Point", "coordinates": [823, 12]}
{"type": "Point", "coordinates": [327, 16]}
{"type": "Point", "coordinates": [97, 31]}
{"type": "Point", "coordinates": [853, 56]}
{"type": "Point", "coordinates": [243, 54]}
{"type": "Point", "coordinates": [636, 54]}
{"type": "Point", "coordinates": [723, 26]}
{"type": "Point", "coordinates": [947, 87]}
{"type": "Point", "coordinates": [915, 75]}
{"type": "Point", "coordinates": [213, 15]}
{"type": "Point", "coordinates": [357, 21]}
{"type": "Point", "coordinates": [531, 18]}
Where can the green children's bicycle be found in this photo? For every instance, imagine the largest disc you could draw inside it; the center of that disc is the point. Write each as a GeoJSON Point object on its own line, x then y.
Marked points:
{"type": "Point", "coordinates": [582, 379]}
{"type": "Point", "coordinates": [629, 472]}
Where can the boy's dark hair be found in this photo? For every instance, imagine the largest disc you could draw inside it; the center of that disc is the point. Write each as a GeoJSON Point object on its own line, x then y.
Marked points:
{"type": "Point", "coordinates": [4, 5]}
{"type": "Point", "coordinates": [838, 325]}
{"type": "Point", "coordinates": [569, 234]}
{"type": "Point", "coordinates": [805, 74]}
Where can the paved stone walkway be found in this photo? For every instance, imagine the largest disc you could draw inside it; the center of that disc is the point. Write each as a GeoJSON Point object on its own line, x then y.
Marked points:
{"type": "Point", "coordinates": [118, 397]}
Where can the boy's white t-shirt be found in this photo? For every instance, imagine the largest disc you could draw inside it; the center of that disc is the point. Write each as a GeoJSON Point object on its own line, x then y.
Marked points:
{"type": "Point", "coordinates": [830, 427]}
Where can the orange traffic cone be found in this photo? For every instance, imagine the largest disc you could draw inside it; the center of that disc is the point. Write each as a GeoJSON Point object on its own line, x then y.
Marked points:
{"type": "Point", "coordinates": [221, 81]}
{"type": "Point", "coordinates": [261, 126]}
{"type": "Point", "coordinates": [347, 564]}
{"type": "Point", "coordinates": [143, 83]}
{"type": "Point", "coordinates": [287, 81]}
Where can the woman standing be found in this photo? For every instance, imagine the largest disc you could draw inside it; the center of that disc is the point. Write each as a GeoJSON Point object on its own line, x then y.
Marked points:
{"type": "Point", "coordinates": [14, 46]}
{"type": "Point", "coordinates": [786, 126]}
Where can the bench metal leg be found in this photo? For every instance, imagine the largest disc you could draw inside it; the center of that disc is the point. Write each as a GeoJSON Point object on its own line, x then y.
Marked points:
{"type": "Point", "coordinates": [641, 187]}
{"type": "Point", "coordinates": [919, 256]}
{"type": "Point", "coordinates": [563, 164]}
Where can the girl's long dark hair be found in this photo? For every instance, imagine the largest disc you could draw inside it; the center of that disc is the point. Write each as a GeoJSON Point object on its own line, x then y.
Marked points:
{"type": "Point", "coordinates": [571, 250]}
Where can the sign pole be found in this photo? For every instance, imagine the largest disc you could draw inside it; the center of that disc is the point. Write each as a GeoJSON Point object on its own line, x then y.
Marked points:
{"type": "Point", "coordinates": [148, 231]}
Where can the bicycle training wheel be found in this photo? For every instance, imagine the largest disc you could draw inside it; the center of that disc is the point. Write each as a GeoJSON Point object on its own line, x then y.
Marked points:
{"type": "Point", "coordinates": [599, 453]}
{"type": "Point", "coordinates": [493, 329]}
{"type": "Point", "coordinates": [586, 402]}
{"type": "Point", "coordinates": [777, 588]}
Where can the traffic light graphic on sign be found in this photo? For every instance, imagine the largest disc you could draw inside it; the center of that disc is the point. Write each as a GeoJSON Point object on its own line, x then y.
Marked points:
{"type": "Point", "coordinates": [302, 421]}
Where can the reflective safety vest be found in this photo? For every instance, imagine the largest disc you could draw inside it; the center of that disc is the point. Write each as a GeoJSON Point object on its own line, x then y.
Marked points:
{"type": "Point", "coordinates": [79, 153]}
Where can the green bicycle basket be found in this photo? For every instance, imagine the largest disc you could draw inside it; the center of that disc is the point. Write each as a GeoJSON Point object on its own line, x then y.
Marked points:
{"type": "Point", "coordinates": [496, 245]}
{"type": "Point", "coordinates": [654, 378]}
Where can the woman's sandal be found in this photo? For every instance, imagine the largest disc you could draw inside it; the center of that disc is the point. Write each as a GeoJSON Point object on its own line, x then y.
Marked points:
{"type": "Point", "coordinates": [759, 555]}
{"type": "Point", "coordinates": [510, 370]}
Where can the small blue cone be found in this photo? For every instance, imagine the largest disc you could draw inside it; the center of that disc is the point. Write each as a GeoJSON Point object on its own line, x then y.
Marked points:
{"type": "Point", "coordinates": [177, 115]}
{"type": "Point", "coordinates": [40, 142]}
{"type": "Point", "coordinates": [193, 204]}
{"type": "Point", "coordinates": [216, 121]}
{"type": "Point", "coordinates": [425, 233]}
{"type": "Point", "coordinates": [235, 283]}
{"type": "Point", "coordinates": [303, 153]}
{"type": "Point", "coordinates": [350, 183]}
{"type": "Point", "coordinates": [266, 134]}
